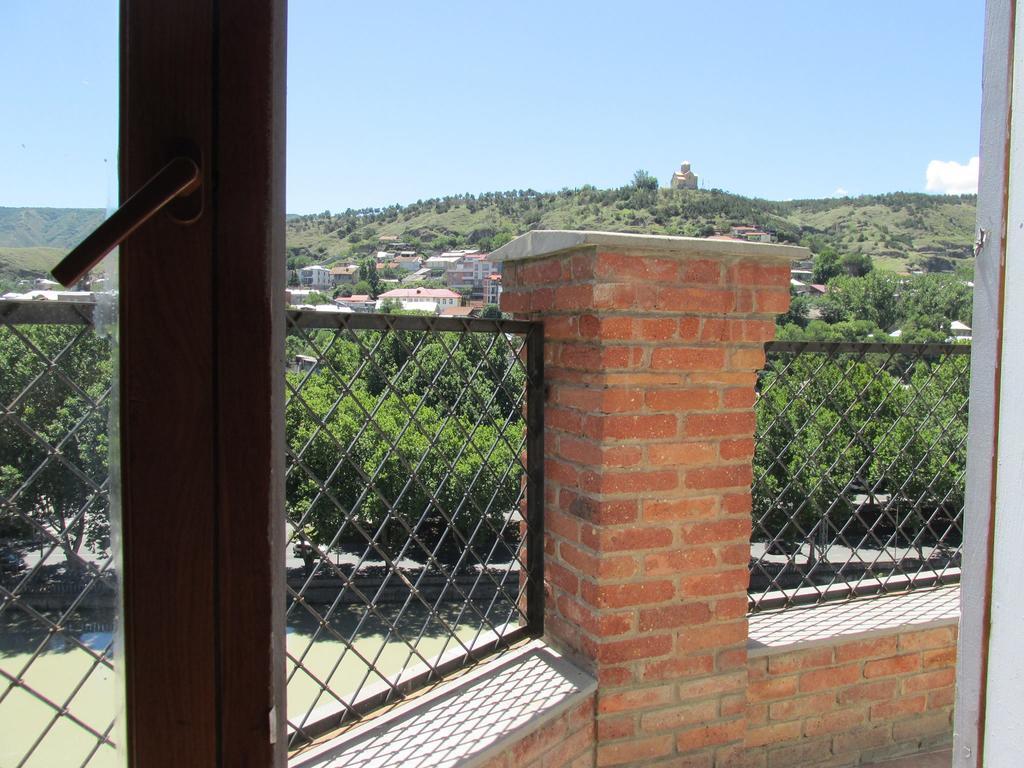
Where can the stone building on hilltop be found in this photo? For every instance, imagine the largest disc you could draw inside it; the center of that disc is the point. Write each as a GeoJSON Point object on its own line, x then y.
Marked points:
{"type": "Point", "coordinates": [684, 178]}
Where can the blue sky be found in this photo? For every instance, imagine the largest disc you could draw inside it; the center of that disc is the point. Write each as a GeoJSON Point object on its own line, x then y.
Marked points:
{"type": "Point", "coordinates": [393, 102]}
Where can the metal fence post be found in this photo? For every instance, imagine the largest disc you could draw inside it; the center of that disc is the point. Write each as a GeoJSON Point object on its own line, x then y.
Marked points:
{"type": "Point", "coordinates": [535, 479]}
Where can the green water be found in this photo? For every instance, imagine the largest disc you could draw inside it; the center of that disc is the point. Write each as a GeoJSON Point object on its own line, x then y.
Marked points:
{"type": "Point", "coordinates": [57, 671]}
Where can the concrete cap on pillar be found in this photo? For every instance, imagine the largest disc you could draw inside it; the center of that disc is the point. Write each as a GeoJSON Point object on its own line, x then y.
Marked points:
{"type": "Point", "coordinates": [548, 242]}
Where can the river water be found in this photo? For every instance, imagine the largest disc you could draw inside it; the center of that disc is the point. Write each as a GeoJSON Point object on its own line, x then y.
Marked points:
{"type": "Point", "coordinates": [57, 670]}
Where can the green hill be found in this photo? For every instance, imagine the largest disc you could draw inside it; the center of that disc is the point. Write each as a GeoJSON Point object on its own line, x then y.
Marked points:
{"type": "Point", "coordinates": [46, 227]}
{"type": "Point", "coordinates": [32, 240]}
{"type": "Point", "coordinates": [29, 262]}
{"type": "Point", "coordinates": [898, 231]}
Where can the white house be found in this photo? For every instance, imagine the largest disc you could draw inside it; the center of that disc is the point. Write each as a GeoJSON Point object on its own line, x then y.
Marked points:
{"type": "Point", "coordinates": [422, 299]}
{"type": "Point", "coordinates": [415, 306]}
{"type": "Point", "coordinates": [315, 277]}
{"type": "Point", "coordinates": [333, 308]}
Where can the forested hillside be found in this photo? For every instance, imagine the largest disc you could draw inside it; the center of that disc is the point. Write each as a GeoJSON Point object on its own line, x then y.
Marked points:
{"type": "Point", "coordinates": [898, 231]}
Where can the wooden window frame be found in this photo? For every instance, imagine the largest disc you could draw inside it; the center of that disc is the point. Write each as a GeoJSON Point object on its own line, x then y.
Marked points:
{"type": "Point", "coordinates": [201, 387]}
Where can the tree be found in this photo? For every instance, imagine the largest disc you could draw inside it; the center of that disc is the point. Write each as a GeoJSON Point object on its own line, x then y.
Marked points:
{"type": "Point", "coordinates": [491, 312]}
{"type": "Point", "coordinates": [644, 191]}
{"type": "Point", "coordinates": [296, 263]}
{"type": "Point", "coordinates": [63, 493]}
{"type": "Point", "coordinates": [799, 310]}
{"type": "Point", "coordinates": [921, 307]}
{"type": "Point", "coordinates": [317, 297]}
{"type": "Point", "coordinates": [819, 330]}
{"type": "Point", "coordinates": [935, 300]}
{"type": "Point", "coordinates": [643, 180]}
{"type": "Point", "coordinates": [832, 433]}
{"type": "Point", "coordinates": [871, 297]}
{"type": "Point", "coordinates": [405, 446]}
{"type": "Point", "coordinates": [964, 271]}
{"type": "Point", "coordinates": [368, 273]}
{"type": "Point", "coordinates": [826, 265]}
{"type": "Point", "coordinates": [857, 264]}
{"type": "Point", "coordinates": [500, 238]}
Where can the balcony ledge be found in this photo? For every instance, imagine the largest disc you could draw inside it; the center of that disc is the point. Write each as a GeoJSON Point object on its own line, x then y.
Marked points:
{"type": "Point", "coordinates": [464, 722]}
{"type": "Point", "coordinates": [829, 623]}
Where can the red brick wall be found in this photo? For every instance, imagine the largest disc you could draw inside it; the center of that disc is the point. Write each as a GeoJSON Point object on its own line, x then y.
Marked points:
{"type": "Point", "coordinates": [853, 702]}
{"type": "Point", "coordinates": [651, 361]}
{"type": "Point", "coordinates": [565, 742]}
{"type": "Point", "coordinates": [845, 704]}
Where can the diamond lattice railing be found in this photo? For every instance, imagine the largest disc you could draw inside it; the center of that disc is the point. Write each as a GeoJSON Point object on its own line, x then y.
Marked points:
{"type": "Point", "coordinates": [859, 469]}
{"type": "Point", "coordinates": [406, 486]}
{"type": "Point", "coordinates": [407, 483]}
{"type": "Point", "coordinates": [58, 593]}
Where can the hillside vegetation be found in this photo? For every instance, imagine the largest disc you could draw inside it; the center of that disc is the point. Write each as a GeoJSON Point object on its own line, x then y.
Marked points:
{"type": "Point", "coordinates": [898, 231]}
{"type": "Point", "coordinates": [32, 240]}
{"type": "Point", "coordinates": [46, 227]}
{"type": "Point", "coordinates": [29, 262]}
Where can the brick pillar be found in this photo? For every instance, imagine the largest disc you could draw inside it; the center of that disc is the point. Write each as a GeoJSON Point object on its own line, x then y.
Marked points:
{"type": "Point", "coordinates": [652, 348]}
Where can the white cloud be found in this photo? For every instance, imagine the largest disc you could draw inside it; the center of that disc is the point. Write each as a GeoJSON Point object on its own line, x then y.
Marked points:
{"type": "Point", "coordinates": [951, 177]}
{"type": "Point", "coordinates": [840, 192]}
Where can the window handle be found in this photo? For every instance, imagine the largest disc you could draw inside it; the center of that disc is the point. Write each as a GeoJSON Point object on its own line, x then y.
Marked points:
{"type": "Point", "coordinates": [178, 178]}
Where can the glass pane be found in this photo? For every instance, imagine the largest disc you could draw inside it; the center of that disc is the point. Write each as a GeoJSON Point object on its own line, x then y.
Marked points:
{"type": "Point", "coordinates": [60, 693]}
{"type": "Point", "coordinates": [405, 489]}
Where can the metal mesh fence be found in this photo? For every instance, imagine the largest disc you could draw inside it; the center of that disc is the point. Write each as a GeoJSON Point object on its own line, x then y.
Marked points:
{"type": "Point", "coordinates": [414, 504]}
{"type": "Point", "coordinates": [407, 487]}
{"type": "Point", "coordinates": [414, 510]}
{"type": "Point", "coordinates": [858, 471]}
{"type": "Point", "coordinates": [58, 593]}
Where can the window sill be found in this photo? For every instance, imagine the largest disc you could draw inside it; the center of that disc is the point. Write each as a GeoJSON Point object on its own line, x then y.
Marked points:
{"type": "Point", "coordinates": [824, 624]}
{"type": "Point", "coordinates": [464, 722]}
